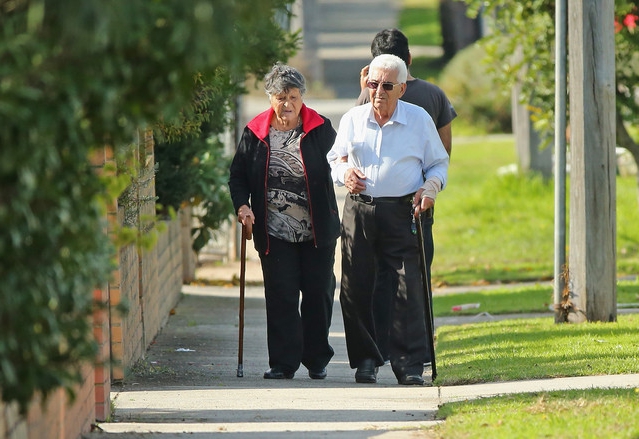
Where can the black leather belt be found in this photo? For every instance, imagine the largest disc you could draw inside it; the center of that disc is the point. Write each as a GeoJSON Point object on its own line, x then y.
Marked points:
{"type": "Point", "coordinates": [367, 199]}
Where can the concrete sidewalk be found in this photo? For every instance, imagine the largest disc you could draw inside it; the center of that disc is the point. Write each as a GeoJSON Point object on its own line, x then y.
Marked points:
{"type": "Point", "coordinates": [187, 386]}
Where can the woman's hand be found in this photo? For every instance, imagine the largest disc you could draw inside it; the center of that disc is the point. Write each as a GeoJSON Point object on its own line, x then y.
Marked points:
{"type": "Point", "coordinates": [245, 215]}
{"type": "Point", "coordinates": [247, 218]}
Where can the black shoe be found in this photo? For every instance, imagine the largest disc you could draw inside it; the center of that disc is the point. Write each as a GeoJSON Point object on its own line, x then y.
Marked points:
{"type": "Point", "coordinates": [275, 373]}
{"type": "Point", "coordinates": [318, 374]}
{"type": "Point", "coordinates": [411, 380]}
{"type": "Point", "coordinates": [366, 372]}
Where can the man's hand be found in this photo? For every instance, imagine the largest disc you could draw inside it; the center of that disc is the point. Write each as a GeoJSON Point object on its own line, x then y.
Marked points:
{"type": "Point", "coordinates": [363, 77]}
{"type": "Point", "coordinates": [421, 204]}
{"type": "Point", "coordinates": [353, 180]}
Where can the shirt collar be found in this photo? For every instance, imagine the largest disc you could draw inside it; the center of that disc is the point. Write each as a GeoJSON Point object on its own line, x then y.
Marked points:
{"type": "Point", "coordinates": [399, 115]}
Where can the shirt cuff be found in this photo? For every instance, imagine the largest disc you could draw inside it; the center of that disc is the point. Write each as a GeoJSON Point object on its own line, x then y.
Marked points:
{"type": "Point", "coordinates": [339, 170]}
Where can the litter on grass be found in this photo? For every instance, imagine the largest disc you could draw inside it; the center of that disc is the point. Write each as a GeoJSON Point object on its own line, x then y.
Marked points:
{"type": "Point", "coordinates": [465, 306]}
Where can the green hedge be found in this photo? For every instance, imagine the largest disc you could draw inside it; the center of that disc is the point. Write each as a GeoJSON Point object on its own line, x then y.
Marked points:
{"type": "Point", "coordinates": [76, 75]}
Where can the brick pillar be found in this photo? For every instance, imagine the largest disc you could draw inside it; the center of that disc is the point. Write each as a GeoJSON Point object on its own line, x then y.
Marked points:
{"type": "Point", "coordinates": [104, 162]}
{"type": "Point", "coordinates": [102, 373]}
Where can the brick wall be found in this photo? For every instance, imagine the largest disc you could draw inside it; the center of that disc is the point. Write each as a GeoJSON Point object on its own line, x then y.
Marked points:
{"type": "Point", "coordinates": [59, 417]}
{"type": "Point", "coordinates": [150, 280]}
{"type": "Point", "coordinates": [150, 283]}
{"type": "Point", "coordinates": [169, 276]}
{"type": "Point", "coordinates": [127, 339]}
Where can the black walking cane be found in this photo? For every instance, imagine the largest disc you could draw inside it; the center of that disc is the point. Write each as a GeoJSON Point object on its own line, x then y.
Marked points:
{"type": "Point", "coordinates": [430, 332]}
{"type": "Point", "coordinates": [247, 232]}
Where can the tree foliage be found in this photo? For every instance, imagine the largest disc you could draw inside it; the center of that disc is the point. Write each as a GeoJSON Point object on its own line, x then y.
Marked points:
{"type": "Point", "coordinates": [192, 166]}
{"type": "Point", "coordinates": [76, 75]}
{"type": "Point", "coordinates": [521, 48]}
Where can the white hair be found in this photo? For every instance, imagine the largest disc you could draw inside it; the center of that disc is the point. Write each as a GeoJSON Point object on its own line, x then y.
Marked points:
{"type": "Point", "coordinates": [393, 63]}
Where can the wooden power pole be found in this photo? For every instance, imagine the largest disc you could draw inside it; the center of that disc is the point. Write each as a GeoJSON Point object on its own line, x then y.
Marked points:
{"type": "Point", "coordinates": [592, 259]}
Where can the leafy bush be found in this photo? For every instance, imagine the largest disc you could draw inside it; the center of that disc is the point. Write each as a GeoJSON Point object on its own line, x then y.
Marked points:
{"type": "Point", "coordinates": [192, 165]}
{"type": "Point", "coordinates": [474, 92]}
{"type": "Point", "coordinates": [52, 255]}
{"type": "Point", "coordinates": [76, 75]}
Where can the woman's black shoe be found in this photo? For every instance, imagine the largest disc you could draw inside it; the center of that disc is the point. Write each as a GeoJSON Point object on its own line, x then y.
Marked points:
{"type": "Point", "coordinates": [275, 373]}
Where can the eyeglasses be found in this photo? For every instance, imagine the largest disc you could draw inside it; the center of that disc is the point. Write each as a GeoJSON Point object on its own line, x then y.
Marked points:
{"type": "Point", "coordinates": [388, 86]}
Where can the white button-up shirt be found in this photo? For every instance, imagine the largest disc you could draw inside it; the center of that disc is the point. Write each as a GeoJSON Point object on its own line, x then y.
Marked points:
{"type": "Point", "coordinates": [396, 158]}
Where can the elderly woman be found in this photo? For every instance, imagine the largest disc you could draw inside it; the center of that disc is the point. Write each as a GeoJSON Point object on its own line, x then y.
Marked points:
{"type": "Point", "coordinates": [281, 183]}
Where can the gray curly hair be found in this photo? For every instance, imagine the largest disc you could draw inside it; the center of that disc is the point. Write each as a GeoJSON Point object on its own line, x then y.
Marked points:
{"type": "Point", "coordinates": [282, 78]}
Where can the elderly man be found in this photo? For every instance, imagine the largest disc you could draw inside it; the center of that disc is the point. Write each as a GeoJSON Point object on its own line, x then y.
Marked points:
{"type": "Point", "coordinates": [432, 99]}
{"type": "Point", "coordinates": [389, 156]}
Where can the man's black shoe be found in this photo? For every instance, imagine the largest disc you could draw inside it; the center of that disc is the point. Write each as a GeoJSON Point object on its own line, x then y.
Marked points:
{"type": "Point", "coordinates": [411, 380]}
{"type": "Point", "coordinates": [317, 374]}
{"type": "Point", "coordinates": [275, 373]}
{"type": "Point", "coordinates": [366, 372]}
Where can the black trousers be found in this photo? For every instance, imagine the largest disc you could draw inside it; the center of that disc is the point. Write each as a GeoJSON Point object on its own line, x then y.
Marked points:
{"type": "Point", "coordinates": [386, 285]}
{"type": "Point", "coordinates": [298, 332]}
{"type": "Point", "coordinates": [374, 234]}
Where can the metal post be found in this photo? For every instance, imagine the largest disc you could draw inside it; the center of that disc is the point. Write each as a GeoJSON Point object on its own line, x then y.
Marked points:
{"type": "Point", "coordinates": [561, 25]}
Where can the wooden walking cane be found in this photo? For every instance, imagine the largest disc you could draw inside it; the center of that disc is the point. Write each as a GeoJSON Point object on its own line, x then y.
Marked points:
{"type": "Point", "coordinates": [430, 332]}
{"type": "Point", "coordinates": [247, 234]}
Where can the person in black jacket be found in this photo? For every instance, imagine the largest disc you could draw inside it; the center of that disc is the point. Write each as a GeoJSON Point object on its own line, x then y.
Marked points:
{"type": "Point", "coordinates": [280, 182]}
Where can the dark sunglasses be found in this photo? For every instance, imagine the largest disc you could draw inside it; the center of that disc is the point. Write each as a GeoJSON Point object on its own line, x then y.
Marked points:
{"type": "Point", "coordinates": [388, 86]}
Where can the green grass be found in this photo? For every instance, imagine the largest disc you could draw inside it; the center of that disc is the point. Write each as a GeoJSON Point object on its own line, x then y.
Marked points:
{"type": "Point", "coordinates": [525, 349]}
{"type": "Point", "coordinates": [522, 349]}
{"type": "Point", "coordinates": [419, 21]}
{"type": "Point", "coordinates": [580, 414]}
{"type": "Point", "coordinates": [500, 228]}
{"type": "Point", "coordinates": [529, 299]}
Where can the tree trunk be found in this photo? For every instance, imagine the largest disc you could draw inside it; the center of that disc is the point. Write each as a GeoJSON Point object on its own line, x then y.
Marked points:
{"type": "Point", "coordinates": [531, 157]}
{"type": "Point", "coordinates": [458, 30]}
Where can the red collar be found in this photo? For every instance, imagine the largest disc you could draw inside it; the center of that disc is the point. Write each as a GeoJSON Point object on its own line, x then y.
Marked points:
{"type": "Point", "coordinates": [261, 123]}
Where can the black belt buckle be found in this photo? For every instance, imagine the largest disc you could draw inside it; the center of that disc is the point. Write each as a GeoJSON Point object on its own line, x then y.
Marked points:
{"type": "Point", "coordinates": [363, 198]}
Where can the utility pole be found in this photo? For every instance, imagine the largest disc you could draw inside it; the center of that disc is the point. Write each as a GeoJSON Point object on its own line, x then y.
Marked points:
{"type": "Point", "coordinates": [592, 171]}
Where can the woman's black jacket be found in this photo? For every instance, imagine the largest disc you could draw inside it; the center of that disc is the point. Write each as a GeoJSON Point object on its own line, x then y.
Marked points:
{"type": "Point", "coordinates": [248, 176]}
